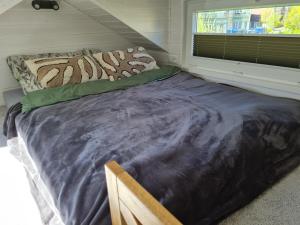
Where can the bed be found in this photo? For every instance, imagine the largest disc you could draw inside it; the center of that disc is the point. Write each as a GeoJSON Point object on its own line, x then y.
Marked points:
{"type": "Point", "coordinates": [202, 149]}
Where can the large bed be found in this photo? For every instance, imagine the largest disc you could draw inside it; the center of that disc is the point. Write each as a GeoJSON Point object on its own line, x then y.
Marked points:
{"type": "Point", "coordinates": [202, 149]}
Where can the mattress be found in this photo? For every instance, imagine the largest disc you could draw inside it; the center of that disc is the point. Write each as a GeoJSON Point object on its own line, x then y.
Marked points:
{"type": "Point", "coordinates": [202, 149]}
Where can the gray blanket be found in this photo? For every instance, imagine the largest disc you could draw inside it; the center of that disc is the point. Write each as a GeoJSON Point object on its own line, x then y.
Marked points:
{"type": "Point", "coordinates": [202, 149]}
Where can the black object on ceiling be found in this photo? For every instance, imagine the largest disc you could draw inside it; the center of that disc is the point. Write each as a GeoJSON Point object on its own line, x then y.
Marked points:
{"type": "Point", "coordinates": [45, 4]}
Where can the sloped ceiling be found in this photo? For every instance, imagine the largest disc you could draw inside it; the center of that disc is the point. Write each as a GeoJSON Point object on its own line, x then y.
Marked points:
{"type": "Point", "coordinates": [7, 4]}
{"type": "Point", "coordinates": [142, 22]}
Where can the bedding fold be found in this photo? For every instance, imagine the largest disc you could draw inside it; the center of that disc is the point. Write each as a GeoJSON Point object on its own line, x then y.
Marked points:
{"type": "Point", "coordinates": [70, 92]}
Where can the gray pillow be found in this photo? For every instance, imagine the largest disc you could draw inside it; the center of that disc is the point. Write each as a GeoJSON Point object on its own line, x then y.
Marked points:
{"type": "Point", "coordinates": [12, 97]}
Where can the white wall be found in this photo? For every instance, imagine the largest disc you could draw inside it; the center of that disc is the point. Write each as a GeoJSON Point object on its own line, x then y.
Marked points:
{"type": "Point", "coordinates": [176, 28]}
{"type": "Point", "coordinates": [7, 4]}
{"type": "Point", "coordinates": [149, 17]}
{"type": "Point", "coordinates": [24, 30]}
{"type": "Point", "coordinates": [278, 81]}
{"type": "Point", "coordinates": [131, 20]}
{"type": "Point", "coordinates": [97, 11]}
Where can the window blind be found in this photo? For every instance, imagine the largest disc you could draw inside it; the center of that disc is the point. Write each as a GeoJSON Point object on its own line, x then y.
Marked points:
{"type": "Point", "coordinates": [278, 51]}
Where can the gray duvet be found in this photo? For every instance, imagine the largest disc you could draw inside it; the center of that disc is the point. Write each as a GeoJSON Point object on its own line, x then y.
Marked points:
{"type": "Point", "coordinates": [202, 149]}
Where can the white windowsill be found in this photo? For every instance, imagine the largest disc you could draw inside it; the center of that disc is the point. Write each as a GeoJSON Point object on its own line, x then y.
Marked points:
{"type": "Point", "coordinates": [267, 79]}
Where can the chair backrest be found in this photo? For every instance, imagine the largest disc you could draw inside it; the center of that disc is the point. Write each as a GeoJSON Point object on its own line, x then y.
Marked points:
{"type": "Point", "coordinates": [130, 203]}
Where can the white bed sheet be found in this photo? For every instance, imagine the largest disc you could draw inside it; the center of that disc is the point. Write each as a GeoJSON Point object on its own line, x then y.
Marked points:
{"type": "Point", "coordinates": [48, 211]}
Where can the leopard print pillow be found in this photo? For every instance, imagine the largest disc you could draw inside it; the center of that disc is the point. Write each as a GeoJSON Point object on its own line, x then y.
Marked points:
{"type": "Point", "coordinates": [59, 71]}
{"type": "Point", "coordinates": [120, 64]}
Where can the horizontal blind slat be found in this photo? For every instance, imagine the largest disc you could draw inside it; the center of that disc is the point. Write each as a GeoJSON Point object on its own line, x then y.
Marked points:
{"type": "Point", "coordinates": [279, 51]}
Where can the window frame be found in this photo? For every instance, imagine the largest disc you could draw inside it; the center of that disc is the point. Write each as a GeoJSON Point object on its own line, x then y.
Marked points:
{"type": "Point", "coordinates": [219, 64]}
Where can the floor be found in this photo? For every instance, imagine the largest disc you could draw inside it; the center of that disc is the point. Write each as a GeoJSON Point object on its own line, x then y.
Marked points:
{"type": "Point", "coordinates": [280, 205]}
{"type": "Point", "coordinates": [17, 207]}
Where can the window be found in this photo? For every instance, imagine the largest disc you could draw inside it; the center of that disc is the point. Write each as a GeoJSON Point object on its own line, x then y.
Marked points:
{"type": "Point", "coordinates": [275, 20]}
{"type": "Point", "coordinates": [262, 35]}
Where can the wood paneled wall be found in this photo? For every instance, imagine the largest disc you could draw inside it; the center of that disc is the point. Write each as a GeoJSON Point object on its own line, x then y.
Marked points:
{"type": "Point", "coordinates": [24, 30]}
{"type": "Point", "coordinates": [97, 12]}
{"type": "Point", "coordinates": [148, 17]}
{"type": "Point", "coordinates": [7, 4]}
{"type": "Point", "coordinates": [176, 31]}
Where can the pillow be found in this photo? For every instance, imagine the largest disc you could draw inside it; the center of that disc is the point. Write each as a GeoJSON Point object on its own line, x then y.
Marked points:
{"type": "Point", "coordinates": [23, 75]}
{"type": "Point", "coordinates": [112, 65]}
{"type": "Point", "coordinates": [59, 71]}
{"type": "Point", "coordinates": [91, 51]}
{"type": "Point", "coordinates": [120, 64]}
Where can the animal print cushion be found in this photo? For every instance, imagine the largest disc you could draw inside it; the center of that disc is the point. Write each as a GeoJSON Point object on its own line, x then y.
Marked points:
{"type": "Point", "coordinates": [120, 64]}
{"type": "Point", "coordinates": [56, 72]}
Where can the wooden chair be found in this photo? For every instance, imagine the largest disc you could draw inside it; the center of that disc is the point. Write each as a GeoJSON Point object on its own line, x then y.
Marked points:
{"type": "Point", "coordinates": [130, 203]}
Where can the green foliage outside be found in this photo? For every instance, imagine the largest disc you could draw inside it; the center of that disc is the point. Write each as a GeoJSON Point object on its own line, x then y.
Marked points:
{"type": "Point", "coordinates": [272, 21]}
{"type": "Point", "coordinates": [292, 22]}
{"type": "Point", "coordinates": [206, 22]}
{"type": "Point", "coordinates": [282, 24]}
